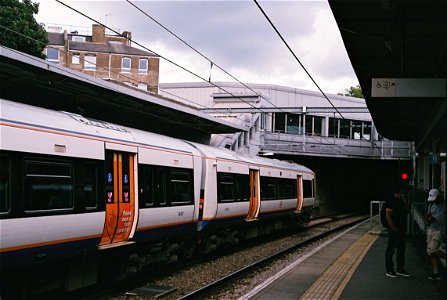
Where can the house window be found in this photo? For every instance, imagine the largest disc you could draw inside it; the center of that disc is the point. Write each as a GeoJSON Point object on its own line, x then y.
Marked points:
{"type": "Point", "coordinates": [77, 38]}
{"type": "Point", "coordinates": [125, 65]}
{"type": "Point", "coordinates": [53, 54]}
{"type": "Point", "coordinates": [143, 65]}
{"type": "Point", "coordinates": [90, 62]}
{"type": "Point", "coordinates": [142, 86]}
{"type": "Point", "coordinates": [75, 59]}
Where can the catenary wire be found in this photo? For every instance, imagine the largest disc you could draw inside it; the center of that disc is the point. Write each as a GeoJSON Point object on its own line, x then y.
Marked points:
{"type": "Point", "coordinates": [213, 63]}
{"type": "Point", "coordinates": [161, 56]}
{"type": "Point", "coordinates": [297, 59]}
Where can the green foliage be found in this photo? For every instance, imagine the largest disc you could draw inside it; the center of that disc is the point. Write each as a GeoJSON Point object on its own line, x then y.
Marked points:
{"type": "Point", "coordinates": [353, 92]}
{"type": "Point", "coordinates": [18, 28]}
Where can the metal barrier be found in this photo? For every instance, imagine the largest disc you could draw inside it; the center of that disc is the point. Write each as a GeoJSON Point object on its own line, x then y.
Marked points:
{"type": "Point", "coordinates": [374, 215]}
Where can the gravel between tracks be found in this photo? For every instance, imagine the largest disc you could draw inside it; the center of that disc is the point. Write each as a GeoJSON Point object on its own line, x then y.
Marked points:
{"type": "Point", "coordinates": [188, 279]}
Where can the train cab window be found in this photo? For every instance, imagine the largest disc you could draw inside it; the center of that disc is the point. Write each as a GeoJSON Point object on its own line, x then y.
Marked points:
{"type": "Point", "coordinates": [307, 188]}
{"type": "Point", "coordinates": [180, 188]}
{"type": "Point", "coordinates": [48, 185]}
{"type": "Point", "coordinates": [90, 185]}
{"type": "Point", "coordinates": [4, 184]}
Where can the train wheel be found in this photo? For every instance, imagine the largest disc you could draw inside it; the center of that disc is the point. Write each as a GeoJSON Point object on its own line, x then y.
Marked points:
{"type": "Point", "coordinates": [189, 250]}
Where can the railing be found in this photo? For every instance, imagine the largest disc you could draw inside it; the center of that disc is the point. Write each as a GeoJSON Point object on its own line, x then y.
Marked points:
{"type": "Point", "coordinates": [330, 146]}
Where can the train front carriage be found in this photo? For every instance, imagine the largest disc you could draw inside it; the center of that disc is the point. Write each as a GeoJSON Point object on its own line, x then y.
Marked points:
{"type": "Point", "coordinates": [73, 190]}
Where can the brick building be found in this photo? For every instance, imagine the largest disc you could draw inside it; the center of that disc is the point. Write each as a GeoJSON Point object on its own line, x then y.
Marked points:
{"type": "Point", "coordinates": [110, 57]}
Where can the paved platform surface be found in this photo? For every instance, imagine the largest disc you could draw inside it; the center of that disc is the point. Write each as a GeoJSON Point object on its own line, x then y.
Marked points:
{"type": "Point", "coordinates": [353, 267]}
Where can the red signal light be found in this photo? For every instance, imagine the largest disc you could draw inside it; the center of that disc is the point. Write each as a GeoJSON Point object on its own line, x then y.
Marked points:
{"type": "Point", "coordinates": [404, 176]}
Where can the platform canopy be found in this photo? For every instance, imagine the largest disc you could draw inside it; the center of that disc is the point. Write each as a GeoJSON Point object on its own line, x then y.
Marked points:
{"type": "Point", "coordinates": [34, 81]}
{"type": "Point", "coordinates": [398, 50]}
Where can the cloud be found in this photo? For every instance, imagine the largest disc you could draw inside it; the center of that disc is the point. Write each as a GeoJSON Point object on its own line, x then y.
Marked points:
{"type": "Point", "coordinates": [234, 34]}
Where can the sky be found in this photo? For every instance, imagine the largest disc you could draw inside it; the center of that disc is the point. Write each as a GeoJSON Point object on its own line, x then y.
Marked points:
{"type": "Point", "coordinates": [235, 35]}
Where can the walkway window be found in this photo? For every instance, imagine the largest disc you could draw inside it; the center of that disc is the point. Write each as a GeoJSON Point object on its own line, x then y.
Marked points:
{"type": "Point", "coordinates": [367, 130]}
{"type": "Point", "coordinates": [356, 129]}
{"type": "Point", "coordinates": [125, 64]}
{"type": "Point", "coordinates": [333, 127]}
{"type": "Point", "coordinates": [345, 129]}
{"type": "Point", "coordinates": [294, 124]}
{"type": "Point", "coordinates": [143, 65]}
{"type": "Point", "coordinates": [280, 122]}
{"type": "Point", "coordinates": [314, 125]}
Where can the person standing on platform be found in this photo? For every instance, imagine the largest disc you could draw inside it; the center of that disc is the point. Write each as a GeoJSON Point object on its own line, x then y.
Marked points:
{"type": "Point", "coordinates": [436, 231]}
{"type": "Point", "coordinates": [396, 216]}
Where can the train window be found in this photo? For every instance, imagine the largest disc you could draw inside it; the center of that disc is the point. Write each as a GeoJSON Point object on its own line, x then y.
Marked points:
{"type": "Point", "coordinates": [281, 188]}
{"type": "Point", "coordinates": [145, 183]}
{"type": "Point", "coordinates": [90, 185]}
{"type": "Point", "coordinates": [307, 188]}
{"type": "Point", "coordinates": [269, 188]}
{"type": "Point", "coordinates": [289, 188]}
{"type": "Point", "coordinates": [243, 187]}
{"type": "Point", "coordinates": [162, 186]}
{"type": "Point", "coordinates": [4, 184]}
{"type": "Point", "coordinates": [180, 186]}
{"type": "Point", "coordinates": [48, 185]}
{"type": "Point", "coordinates": [226, 188]}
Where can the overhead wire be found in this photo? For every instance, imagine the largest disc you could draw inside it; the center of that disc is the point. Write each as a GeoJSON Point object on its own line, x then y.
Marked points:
{"type": "Point", "coordinates": [161, 56]}
{"type": "Point", "coordinates": [296, 57]}
{"type": "Point", "coordinates": [176, 65]}
{"type": "Point", "coordinates": [300, 63]}
{"type": "Point", "coordinates": [56, 66]}
{"type": "Point", "coordinates": [168, 60]}
{"type": "Point", "coordinates": [213, 63]}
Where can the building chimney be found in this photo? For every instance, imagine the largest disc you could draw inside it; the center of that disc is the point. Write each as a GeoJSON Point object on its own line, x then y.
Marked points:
{"type": "Point", "coordinates": [128, 36]}
{"type": "Point", "coordinates": [98, 34]}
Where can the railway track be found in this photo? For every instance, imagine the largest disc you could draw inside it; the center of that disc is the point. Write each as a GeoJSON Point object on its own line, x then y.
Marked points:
{"type": "Point", "coordinates": [202, 280]}
{"type": "Point", "coordinates": [210, 288]}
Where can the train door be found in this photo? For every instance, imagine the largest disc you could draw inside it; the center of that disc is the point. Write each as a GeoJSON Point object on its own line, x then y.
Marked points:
{"type": "Point", "coordinates": [299, 192]}
{"type": "Point", "coordinates": [253, 209]}
{"type": "Point", "coordinates": [120, 217]}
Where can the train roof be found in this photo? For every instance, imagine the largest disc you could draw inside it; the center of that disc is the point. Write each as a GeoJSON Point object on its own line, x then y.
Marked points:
{"type": "Point", "coordinates": [70, 123]}
{"type": "Point", "coordinates": [226, 154]}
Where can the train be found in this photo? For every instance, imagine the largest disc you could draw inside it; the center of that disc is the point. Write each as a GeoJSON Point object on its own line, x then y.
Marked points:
{"type": "Point", "coordinates": [82, 200]}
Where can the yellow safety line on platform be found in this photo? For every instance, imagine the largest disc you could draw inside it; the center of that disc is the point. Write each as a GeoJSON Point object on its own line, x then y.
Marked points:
{"type": "Point", "coordinates": [333, 281]}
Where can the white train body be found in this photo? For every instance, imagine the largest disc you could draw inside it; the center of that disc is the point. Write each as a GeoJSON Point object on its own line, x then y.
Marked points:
{"type": "Point", "coordinates": [74, 190]}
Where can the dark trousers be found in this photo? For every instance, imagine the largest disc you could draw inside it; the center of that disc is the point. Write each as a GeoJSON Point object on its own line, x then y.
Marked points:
{"type": "Point", "coordinates": [396, 241]}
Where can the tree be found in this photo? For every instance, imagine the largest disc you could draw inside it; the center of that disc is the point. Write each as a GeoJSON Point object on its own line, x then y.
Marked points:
{"type": "Point", "coordinates": [353, 92]}
{"type": "Point", "coordinates": [18, 28]}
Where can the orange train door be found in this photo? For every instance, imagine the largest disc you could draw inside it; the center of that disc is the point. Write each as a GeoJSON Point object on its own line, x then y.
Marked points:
{"type": "Point", "coordinates": [254, 195]}
{"type": "Point", "coordinates": [120, 199]}
{"type": "Point", "coordinates": [299, 194]}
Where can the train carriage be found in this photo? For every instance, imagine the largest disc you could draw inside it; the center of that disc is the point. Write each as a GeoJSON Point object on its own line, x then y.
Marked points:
{"type": "Point", "coordinates": [77, 192]}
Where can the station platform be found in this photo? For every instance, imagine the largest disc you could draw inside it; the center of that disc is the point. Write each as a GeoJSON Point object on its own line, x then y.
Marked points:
{"type": "Point", "coordinates": [352, 266]}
